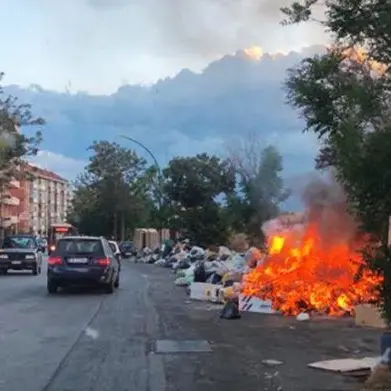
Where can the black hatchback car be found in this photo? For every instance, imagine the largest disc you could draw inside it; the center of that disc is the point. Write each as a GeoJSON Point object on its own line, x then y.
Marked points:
{"type": "Point", "coordinates": [82, 261]}
{"type": "Point", "coordinates": [21, 252]}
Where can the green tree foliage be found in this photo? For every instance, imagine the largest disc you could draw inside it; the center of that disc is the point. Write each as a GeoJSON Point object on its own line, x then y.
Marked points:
{"type": "Point", "coordinates": [260, 188]}
{"type": "Point", "coordinates": [197, 196]}
{"type": "Point", "coordinates": [193, 184]}
{"type": "Point", "coordinates": [15, 146]}
{"type": "Point", "coordinates": [114, 190]}
{"type": "Point", "coordinates": [345, 99]}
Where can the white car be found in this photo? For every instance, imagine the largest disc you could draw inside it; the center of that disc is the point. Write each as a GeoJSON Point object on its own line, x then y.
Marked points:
{"type": "Point", "coordinates": [116, 250]}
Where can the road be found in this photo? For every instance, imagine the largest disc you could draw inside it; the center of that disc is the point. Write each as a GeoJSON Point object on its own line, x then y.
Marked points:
{"type": "Point", "coordinates": [77, 340]}
{"type": "Point", "coordinates": [88, 341]}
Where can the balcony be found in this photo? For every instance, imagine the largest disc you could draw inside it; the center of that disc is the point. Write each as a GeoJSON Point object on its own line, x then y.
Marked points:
{"type": "Point", "coordinates": [10, 200]}
{"type": "Point", "coordinates": [8, 221]}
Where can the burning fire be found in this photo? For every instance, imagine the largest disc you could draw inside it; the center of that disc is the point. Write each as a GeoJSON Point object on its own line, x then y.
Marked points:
{"type": "Point", "coordinates": [308, 274]}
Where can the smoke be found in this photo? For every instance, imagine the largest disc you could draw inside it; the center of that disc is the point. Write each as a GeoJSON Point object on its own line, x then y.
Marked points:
{"type": "Point", "coordinates": [326, 207]}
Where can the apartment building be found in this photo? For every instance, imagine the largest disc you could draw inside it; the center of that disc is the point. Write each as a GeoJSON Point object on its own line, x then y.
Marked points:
{"type": "Point", "coordinates": [49, 200]}
{"type": "Point", "coordinates": [14, 207]}
{"type": "Point", "coordinates": [33, 205]}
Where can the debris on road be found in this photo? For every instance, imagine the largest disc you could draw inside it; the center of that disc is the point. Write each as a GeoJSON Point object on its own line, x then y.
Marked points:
{"type": "Point", "coordinates": [346, 365]}
{"type": "Point", "coordinates": [303, 316]}
{"type": "Point", "coordinates": [271, 362]}
{"type": "Point", "coordinates": [230, 311]}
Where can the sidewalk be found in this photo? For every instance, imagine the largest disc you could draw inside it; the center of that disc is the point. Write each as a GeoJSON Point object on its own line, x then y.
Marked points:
{"type": "Point", "coordinates": [239, 346]}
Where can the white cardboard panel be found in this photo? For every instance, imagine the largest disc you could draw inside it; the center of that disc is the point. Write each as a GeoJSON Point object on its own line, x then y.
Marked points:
{"type": "Point", "coordinates": [346, 364]}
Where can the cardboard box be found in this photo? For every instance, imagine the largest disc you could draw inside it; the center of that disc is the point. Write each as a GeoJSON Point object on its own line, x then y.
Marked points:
{"type": "Point", "coordinates": [254, 304]}
{"type": "Point", "coordinates": [206, 292]}
{"type": "Point", "coordinates": [368, 315]}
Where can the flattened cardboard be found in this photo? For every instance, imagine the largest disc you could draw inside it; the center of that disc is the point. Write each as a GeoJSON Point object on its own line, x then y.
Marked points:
{"type": "Point", "coordinates": [368, 315]}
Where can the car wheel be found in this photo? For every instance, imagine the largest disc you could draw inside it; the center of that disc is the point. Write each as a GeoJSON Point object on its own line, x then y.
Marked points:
{"type": "Point", "coordinates": [35, 270]}
{"type": "Point", "coordinates": [116, 283]}
{"type": "Point", "coordinates": [110, 286]}
{"type": "Point", "coordinates": [51, 287]}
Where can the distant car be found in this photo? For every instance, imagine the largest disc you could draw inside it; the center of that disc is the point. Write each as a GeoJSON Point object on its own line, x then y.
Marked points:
{"type": "Point", "coordinates": [21, 252]}
{"type": "Point", "coordinates": [116, 251]}
{"type": "Point", "coordinates": [127, 249]}
{"type": "Point", "coordinates": [82, 261]}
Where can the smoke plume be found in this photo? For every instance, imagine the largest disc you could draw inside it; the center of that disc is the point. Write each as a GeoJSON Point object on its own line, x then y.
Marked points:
{"type": "Point", "coordinates": [326, 207]}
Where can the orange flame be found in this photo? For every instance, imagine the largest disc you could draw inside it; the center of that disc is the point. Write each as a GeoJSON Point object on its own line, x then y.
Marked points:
{"type": "Point", "coordinates": [306, 275]}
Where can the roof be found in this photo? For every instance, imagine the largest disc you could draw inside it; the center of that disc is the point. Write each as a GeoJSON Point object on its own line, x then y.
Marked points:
{"type": "Point", "coordinates": [43, 173]}
{"type": "Point", "coordinates": [79, 237]}
{"type": "Point", "coordinates": [61, 225]}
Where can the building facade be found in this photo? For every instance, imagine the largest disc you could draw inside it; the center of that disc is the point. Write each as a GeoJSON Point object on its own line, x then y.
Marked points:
{"type": "Point", "coordinates": [49, 200]}
{"type": "Point", "coordinates": [33, 205]}
{"type": "Point", "coordinates": [14, 205]}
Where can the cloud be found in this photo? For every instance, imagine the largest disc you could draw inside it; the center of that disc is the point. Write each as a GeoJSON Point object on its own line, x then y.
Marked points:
{"type": "Point", "coordinates": [97, 45]}
{"type": "Point", "coordinates": [208, 28]}
{"type": "Point", "coordinates": [60, 164]}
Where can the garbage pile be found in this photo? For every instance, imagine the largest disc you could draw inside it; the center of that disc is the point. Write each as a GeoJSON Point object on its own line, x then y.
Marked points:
{"type": "Point", "coordinates": [213, 276]}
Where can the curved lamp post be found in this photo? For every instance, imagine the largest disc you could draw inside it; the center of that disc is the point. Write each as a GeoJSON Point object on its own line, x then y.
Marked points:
{"type": "Point", "coordinates": [145, 149]}
{"type": "Point", "coordinates": [159, 171]}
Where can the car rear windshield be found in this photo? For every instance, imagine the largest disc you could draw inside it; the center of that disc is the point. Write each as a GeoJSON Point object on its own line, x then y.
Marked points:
{"type": "Point", "coordinates": [80, 246]}
{"type": "Point", "coordinates": [18, 242]}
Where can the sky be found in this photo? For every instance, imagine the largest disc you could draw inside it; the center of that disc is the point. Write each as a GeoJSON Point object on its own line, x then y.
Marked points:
{"type": "Point", "coordinates": [98, 45]}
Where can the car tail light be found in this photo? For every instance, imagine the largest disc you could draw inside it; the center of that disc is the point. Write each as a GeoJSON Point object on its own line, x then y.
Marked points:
{"type": "Point", "coordinates": [102, 262]}
{"type": "Point", "coordinates": [54, 261]}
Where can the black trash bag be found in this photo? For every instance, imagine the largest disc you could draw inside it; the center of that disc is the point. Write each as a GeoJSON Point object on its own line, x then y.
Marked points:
{"type": "Point", "coordinates": [192, 258]}
{"type": "Point", "coordinates": [213, 278]}
{"type": "Point", "coordinates": [228, 283]}
{"type": "Point", "coordinates": [230, 311]}
{"type": "Point", "coordinates": [224, 257]}
{"type": "Point", "coordinates": [183, 264]}
{"type": "Point", "coordinates": [200, 273]}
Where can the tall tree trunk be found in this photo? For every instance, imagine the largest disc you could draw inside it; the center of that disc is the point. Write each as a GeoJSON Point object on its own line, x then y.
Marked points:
{"type": "Point", "coordinates": [115, 225]}
{"type": "Point", "coordinates": [122, 227]}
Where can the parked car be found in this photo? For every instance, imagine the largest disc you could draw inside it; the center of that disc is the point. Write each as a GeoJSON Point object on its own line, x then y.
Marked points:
{"type": "Point", "coordinates": [21, 252]}
{"type": "Point", "coordinates": [82, 261]}
{"type": "Point", "coordinates": [117, 253]}
{"type": "Point", "coordinates": [127, 249]}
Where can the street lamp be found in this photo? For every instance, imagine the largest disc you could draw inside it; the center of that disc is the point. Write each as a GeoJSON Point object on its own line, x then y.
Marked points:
{"type": "Point", "coordinates": [160, 174]}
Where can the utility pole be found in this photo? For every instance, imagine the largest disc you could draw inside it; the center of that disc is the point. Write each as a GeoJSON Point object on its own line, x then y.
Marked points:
{"type": "Point", "coordinates": [2, 212]}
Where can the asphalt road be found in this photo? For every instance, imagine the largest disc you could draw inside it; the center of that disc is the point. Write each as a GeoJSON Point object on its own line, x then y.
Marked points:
{"type": "Point", "coordinates": [78, 340]}
{"type": "Point", "coordinates": [89, 341]}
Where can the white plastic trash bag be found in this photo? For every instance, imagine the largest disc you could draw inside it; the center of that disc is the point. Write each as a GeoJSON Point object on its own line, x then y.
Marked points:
{"type": "Point", "coordinates": [224, 251]}
{"type": "Point", "coordinates": [196, 252]}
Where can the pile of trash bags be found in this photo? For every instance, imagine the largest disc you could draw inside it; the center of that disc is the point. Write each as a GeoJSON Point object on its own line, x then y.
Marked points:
{"type": "Point", "coordinates": [193, 264]}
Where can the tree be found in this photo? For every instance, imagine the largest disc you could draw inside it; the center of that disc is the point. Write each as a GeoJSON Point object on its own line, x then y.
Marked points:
{"type": "Point", "coordinates": [193, 185]}
{"type": "Point", "coordinates": [344, 96]}
{"type": "Point", "coordinates": [15, 147]}
{"type": "Point", "coordinates": [261, 187]}
{"type": "Point", "coordinates": [114, 190]}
